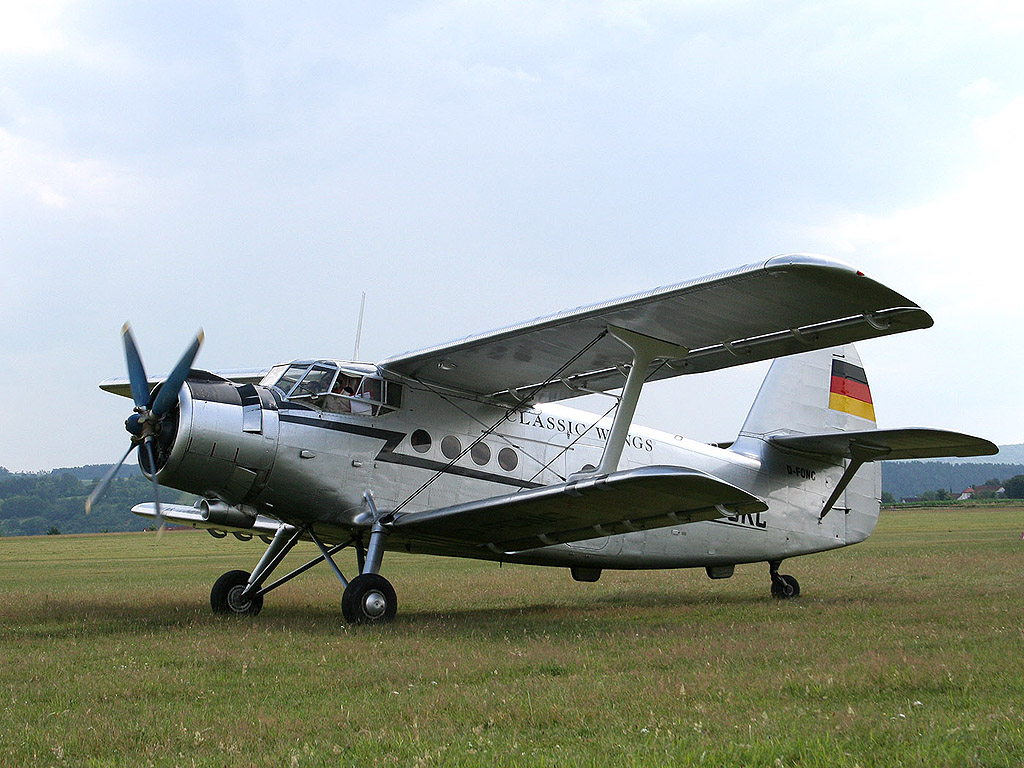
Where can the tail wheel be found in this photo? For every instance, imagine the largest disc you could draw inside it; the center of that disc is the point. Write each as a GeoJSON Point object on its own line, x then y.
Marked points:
{"type": "Point", "coordinates": [226, 595]}
{"type": "Point", "coordinates": [369, 599]}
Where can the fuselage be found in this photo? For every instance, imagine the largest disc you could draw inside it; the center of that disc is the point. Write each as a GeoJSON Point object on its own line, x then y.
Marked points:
{"type": "Point", "coordinates": [294, 457]}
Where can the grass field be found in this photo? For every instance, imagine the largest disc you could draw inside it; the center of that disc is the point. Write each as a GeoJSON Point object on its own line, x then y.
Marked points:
{"type": "Point", "coordinates": [907, 650]}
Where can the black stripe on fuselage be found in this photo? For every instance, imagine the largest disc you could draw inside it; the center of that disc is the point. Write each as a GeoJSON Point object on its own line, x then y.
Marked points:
{"type": "Point", "coordinates": [391, 441]}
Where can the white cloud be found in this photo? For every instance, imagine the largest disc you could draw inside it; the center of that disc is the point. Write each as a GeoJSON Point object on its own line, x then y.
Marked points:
{"type": "Point", "coordinates": [31, 28]}
{"type": "Point", "coordinates": [964, 248]}
{"type": "Point", "coordinates": [34, 172]}
{"type": "Point", "coordinates": [960, 255]}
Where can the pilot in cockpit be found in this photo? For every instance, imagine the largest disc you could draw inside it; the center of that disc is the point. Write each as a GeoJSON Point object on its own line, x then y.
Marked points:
{"type": "Point", "coordinates": [338, 400]}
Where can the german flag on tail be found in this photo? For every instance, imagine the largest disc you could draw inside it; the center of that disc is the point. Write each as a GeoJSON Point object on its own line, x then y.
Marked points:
{"type": "Point", "coordinates": [849, 392]}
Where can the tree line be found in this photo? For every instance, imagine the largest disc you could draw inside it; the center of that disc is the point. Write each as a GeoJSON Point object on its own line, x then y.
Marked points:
{"type": "Point", "coordinates": [942, 479]}
{"type": "Point", "coordinates": [35, 504]}
{"type": "Point", "coordinates": [54, 502]}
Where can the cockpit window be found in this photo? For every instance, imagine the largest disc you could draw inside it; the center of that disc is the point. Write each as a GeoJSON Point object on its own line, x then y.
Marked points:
{"type": "Point", "coordinates": [315, 383]}
{"type": "Point", "coordinates": [286, 383]}
{"type": "Point", "coordinates": [306, 381]}
{"type": "Point", "coordinates": [363, 396]}
{"type": "Point", "coordinates": [327, 386]}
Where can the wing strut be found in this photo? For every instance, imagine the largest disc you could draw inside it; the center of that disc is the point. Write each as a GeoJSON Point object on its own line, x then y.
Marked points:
{"type": "Point", "coordinates": [861, 455]}
{"type": "Point", "coordinates": [645, 351]}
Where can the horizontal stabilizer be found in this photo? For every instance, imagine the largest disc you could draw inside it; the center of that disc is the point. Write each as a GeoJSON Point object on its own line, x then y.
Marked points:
{"type": "Point", "coordinates": [887, 444]}
{"type": "Point", "coordinates": [585, 508]}
{"type": "Point", "coordinates": [176, 514]}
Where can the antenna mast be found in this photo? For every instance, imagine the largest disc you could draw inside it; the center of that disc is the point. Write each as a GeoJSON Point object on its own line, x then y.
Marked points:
{"type": "Point", "coordinates": [359, 328]}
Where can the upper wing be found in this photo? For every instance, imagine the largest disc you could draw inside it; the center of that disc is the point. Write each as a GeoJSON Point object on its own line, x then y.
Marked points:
{"type": "Point", "coordinates": [121, 386]}
{"type": "Point", "coordinates": [630, 500]}
{"type": "Point", "coordinates": [888, 444]}
{"type": "Point", "coordinates": [779, 307]}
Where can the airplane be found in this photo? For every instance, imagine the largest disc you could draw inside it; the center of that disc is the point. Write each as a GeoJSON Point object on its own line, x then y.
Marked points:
{"type": "Point", "coordinates": [466, 449]}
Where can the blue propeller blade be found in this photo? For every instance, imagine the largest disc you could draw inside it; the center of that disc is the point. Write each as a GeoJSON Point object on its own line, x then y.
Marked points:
{"type": "Point", "coordinates": [168, 394]}
{"type": "Point", "coordinates": [102, 485]}
{"type": "Point", "coordinates": [136, 371]}
{"type": "Point", "coordinates": [148, 445]}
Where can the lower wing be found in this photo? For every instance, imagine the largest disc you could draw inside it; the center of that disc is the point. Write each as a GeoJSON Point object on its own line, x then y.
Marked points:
{"type": "Point", "coordinates": [585, 508]}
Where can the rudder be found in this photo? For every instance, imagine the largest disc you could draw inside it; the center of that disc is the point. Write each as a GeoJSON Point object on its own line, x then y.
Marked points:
{"type": "Point", "coordinates": [822, 391]}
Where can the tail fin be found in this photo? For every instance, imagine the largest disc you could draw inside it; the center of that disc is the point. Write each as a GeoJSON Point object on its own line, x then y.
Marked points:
{"type": "Point", "coordinates": [817, 393]}
{"type": "Point", "coordinates": [821, 391]}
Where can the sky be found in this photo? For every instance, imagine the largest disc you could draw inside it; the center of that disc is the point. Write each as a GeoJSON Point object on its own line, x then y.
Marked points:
{"type": "Point", "coordinates": [251, 168]}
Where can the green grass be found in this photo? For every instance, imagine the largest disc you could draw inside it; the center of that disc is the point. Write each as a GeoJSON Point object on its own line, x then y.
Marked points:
{"type": "Point", "coordinates": [906, 650]}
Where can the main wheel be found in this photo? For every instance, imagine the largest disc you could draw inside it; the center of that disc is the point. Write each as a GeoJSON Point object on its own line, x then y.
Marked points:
{"type": "Point", "coordinates": [226, 595]}
{"type": "Point", "coordinates": [369, 599]}
{"type": "Point", "coordinates": [785, 586]}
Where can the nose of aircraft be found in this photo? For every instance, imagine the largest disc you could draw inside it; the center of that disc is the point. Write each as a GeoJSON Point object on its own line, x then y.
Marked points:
{"type": "Point", "coordinates": [153, 410]}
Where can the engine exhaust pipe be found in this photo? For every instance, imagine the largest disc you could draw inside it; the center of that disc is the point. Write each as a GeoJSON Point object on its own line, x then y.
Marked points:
{"type": "Point", "coordinates": [218, 512]}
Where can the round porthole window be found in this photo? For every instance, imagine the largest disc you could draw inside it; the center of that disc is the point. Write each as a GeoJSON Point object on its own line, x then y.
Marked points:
{"type": "Point", "coordinates": [481, 453]}
{"type": "Point", "coordinates": [421, 441]}
{"type": "Point", "coordinates": [508, 459]}
{"type": "Point", "coordinates": [451, 447]}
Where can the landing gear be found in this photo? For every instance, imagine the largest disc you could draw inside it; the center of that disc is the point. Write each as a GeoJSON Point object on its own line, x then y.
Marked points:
{"type": "Point", "coordinates": [227, 595]}
{"type": "Point", "coordinates": [369, 599]}
{"type": "Point", "coordinates": [783, 586]}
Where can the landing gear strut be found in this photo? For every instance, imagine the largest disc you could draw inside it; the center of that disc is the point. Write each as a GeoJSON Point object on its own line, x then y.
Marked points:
{"type": "Point", "coordinates": [368, 599]}
{"type": "Point", "coordinates": [783, 586]}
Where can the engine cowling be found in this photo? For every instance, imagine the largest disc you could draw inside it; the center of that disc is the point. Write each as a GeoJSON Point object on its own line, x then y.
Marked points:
{"type": "Point", "coordinates": [222, 443]}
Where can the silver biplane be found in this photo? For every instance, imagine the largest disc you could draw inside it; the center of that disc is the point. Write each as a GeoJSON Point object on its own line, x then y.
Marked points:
{"type": "Point", "coordinates": [466, 450]}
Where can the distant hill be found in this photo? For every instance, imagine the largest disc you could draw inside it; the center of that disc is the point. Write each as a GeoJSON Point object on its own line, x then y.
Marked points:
{"type": "Point", "coordinates": [36, 503]}
{"type": "Point", "coordinates": [1008, 454]}
{"type": "Point", "coordinates": [96, 471]}
{"type": "Point", "coordinates": [910, 479]}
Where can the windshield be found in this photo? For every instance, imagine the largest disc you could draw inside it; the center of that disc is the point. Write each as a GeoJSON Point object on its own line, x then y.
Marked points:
{"type": "Point", "coordinates": [305, 380]}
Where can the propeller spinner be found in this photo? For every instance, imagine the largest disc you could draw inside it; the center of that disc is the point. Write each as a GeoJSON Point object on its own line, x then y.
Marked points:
{"type": "Point", "coordinates": [151, 410]}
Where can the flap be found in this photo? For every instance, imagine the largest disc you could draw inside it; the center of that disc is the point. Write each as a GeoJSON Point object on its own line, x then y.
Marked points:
{"type": "Point", "coordinates": [888, 444]}
{"type": "Point", "coordinates": [785, 305]}
{"type": "Point", "coordinates": [587, 508]}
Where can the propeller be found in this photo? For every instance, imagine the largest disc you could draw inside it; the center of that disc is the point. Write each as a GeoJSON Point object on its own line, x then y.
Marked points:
{"type": "Point", "coordinates": [151, 409]}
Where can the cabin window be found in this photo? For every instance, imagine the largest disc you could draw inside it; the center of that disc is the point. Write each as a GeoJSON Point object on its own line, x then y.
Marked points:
{"type": "Point", "coordinates": [508, 459]}
{"type": "Point", "coordinates": [421, 441]}
{"type": "Point", "coordinates": [481, 453]}
{"type": "Point", "coordinates": [451, 447]}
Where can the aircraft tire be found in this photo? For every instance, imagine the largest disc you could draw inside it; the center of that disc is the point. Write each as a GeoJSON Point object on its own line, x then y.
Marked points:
{"type": "Point", "coordinates": [224, 597]}
{"type": "Point", "coordinates": [369, 599]}
{"type": "Point", "coordinates": [785, 587]}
